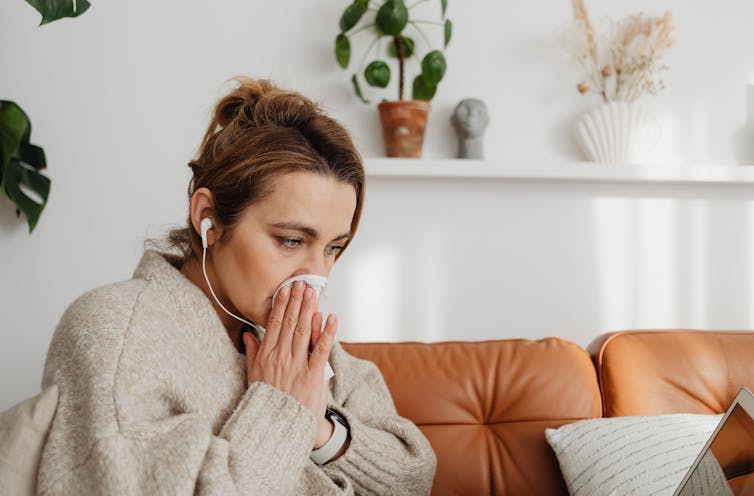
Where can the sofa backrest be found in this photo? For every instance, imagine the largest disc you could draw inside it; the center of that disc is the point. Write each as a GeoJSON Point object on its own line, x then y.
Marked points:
{"type": "Point", "coordinates": [484, 407]}
{"type": "Point", "coordinates": [672, 371]}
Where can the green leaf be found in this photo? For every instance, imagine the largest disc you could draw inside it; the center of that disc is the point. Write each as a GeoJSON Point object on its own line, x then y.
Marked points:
{"type": "Point", "coordinates": [342, 50]}
{"type": "Point", "coordinates": [17, 174]}
{"type": "Point", "coordinates": [32, 155]}
{"type": "Point", "coordinates": [392, 17]}
{"type": "Point", "coordinates": [444, 6]}
{"type": "Point", "coordinates": [21, 162]}
{"type": "Point", "coordinates": [357, 88]}
{"type": "Point", "coordinates": [53, 10]}
{"type": "Point", "coordinates": [351, 16]}
{"type": "Point", "coordinates": [433, 67]}
{"type": "Point", "coordinates": [13, 126]}
{"type": "Point", "coordinates": [377, 74]}
{"type": "Point", "coordinates": [364, 4]}
{"type": "Point", "coordinates": [408, 47]}
{"type": "Point", "coordinates": [448, 31]}
{"type": "Point", "coordinates": [422, 89]}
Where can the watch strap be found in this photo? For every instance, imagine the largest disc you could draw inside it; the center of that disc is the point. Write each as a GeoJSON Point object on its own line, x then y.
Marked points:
{"type": "Point", "coordinates": [328, 450]}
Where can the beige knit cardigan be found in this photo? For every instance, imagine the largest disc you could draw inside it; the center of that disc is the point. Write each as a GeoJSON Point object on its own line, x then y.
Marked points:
{"type": "Point", "coordinates": [154, 400]}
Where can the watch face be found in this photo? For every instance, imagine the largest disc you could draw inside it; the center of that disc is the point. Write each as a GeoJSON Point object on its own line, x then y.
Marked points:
{"type": "Point", "coordinates": [334, 415]}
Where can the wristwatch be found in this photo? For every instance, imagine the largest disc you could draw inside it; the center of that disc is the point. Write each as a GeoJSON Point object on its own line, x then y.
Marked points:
{"type": "Point", "coordinates": [328, 450]}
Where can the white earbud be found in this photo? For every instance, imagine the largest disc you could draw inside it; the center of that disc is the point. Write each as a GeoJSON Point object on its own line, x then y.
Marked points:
{"type": "Point", "coordinates": [204, 226]}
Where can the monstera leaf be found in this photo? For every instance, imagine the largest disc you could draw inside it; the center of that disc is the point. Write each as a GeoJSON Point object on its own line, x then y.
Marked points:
{"type": "Point", "coordinates": [53, 10]}
{"type": "Point", "coordinates": [20, 164]}
{"type": "Point", "coordinates": [20, 161]}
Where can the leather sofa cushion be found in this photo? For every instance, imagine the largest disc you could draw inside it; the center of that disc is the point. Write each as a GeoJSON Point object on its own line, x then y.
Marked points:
{"type": "Point", "coordinates": [672, 371]}
{"type": "Point", "coordinates": [484, 407]}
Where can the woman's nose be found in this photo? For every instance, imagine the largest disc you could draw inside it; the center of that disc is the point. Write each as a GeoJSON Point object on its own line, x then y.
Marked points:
{"type": "Point", "coordinates": [316, 264]}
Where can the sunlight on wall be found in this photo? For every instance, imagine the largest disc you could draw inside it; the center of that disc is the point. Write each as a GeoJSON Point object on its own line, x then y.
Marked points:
{"type": "Point", "coordinates": [613, 264]}
{"type": "Point", "coordinates": [644, 279]}
{"type": "Point", "coordinates": [637, 265]}
{"type": "Point", "coordinates": [374, 295]}
{"type": "Point", "coordinates": [655, 263]}
{"type": "Point", "coordinates": [432, 279]}
{"type": "Point", "coordinates": [699, 264]}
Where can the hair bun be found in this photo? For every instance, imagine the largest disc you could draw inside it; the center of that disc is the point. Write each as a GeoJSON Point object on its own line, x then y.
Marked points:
{"type": "Point", "coordinates": [258, 102]}
{"type": "Point", "coordinates": [240, 103]}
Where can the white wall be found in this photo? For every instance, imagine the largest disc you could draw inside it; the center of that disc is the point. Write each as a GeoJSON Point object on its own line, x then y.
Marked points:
{"type": "Point", "coordinates": [119, 99]}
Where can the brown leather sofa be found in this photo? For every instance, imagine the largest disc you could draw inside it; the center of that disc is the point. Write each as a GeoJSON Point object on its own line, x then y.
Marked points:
{"type": "Point", "coordinates": [484, 405]}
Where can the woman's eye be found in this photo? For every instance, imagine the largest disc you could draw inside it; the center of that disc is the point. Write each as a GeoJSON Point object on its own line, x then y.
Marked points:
{"type": "Point", "coordinates": [334, 249]}
{"type": "Point", "coordinates": [291, 242]}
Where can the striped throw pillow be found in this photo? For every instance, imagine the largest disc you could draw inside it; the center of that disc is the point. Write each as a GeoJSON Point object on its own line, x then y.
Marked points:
{"type": "Point", "coordinates": [624, 456]}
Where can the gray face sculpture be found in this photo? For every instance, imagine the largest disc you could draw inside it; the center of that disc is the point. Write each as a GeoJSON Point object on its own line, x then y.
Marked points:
{"type": "Point", "coordinates": [470, 119]}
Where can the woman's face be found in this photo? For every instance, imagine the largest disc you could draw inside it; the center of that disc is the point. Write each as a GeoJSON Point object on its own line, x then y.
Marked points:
{"type": "Point", "coordinates": [298, 229]}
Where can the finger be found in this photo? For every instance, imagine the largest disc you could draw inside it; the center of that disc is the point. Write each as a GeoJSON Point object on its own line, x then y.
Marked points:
{"type": "Point", "coordinates": [302, 336]}
{"type": "Point", "coordinates": [321, 352]}
{"type": "Point", "coordinates": [316, 328]}
{"type": "Point", "coordinates": [275, 320]}
{"type": "Point", "coordinates": [290, 319]}
{"type": "Point", "coordinates": [252, 347]}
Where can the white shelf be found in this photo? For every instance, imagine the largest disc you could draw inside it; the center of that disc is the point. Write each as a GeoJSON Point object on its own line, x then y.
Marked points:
{"type": "Point", "coordinates": [558, 171]}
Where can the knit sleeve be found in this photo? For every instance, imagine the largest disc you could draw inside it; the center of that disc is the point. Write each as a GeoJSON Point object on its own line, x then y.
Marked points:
{"type": "Point", "coordinates": [179, 454]}
{"type": "Point", "coordinates": [387, 454]}
{"type": "Point", "coordinates": [121, 430]}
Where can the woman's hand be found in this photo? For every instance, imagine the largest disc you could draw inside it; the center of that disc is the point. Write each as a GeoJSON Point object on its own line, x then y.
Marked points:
{"type": "Point", "coordinates": [324, 426]}
{"type": "Point", "coordinates": [283, 359]}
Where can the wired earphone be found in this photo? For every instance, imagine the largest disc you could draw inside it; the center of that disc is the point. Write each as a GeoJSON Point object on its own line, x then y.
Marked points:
{"type": "Point", "coordinates": [204, 226]}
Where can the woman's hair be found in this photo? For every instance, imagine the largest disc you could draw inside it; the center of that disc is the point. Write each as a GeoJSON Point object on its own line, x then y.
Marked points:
{"type": "Point", "coordinates": [258, 133]}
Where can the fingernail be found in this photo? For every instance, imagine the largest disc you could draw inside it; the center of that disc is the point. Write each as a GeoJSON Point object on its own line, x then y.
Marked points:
{"type": "Point", "coordinates": [245, 338]}
{"type": "Point", "coordinates": [284, 291]}
{"type": "Point", "coordinates": [308, 293]}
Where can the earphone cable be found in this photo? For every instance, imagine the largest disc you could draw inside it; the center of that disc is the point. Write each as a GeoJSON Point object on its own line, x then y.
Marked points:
{"type": "Point", "coordinates": [204, 270]}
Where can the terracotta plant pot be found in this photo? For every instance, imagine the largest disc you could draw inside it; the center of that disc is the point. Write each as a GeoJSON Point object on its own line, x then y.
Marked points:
{"type": "Point", "coordinates": [403, 124]}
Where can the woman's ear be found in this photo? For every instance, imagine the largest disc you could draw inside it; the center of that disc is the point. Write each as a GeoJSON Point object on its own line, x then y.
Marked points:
{"type": "Point", "coordinates": [201, 206]}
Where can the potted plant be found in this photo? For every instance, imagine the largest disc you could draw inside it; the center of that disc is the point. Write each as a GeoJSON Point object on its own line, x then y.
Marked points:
{"type": "Point", "coordinates": [621, 64]}
{"type": "Point", "coordinates": [21, 161]}
{"type": "Point", "coordinates": [396, 35]}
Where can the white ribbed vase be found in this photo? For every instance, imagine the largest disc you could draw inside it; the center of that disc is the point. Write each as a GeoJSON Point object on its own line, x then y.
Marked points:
{"type": "Point", "coordinates": [618, 132]}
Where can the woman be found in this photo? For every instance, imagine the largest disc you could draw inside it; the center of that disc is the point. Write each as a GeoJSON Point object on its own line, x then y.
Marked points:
{"type": "Point", "coordinates": [161, 391]}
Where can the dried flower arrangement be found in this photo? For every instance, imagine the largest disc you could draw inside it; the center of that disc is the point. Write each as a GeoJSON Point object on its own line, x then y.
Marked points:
{"type": "Point", "coordinates": [621, 63]}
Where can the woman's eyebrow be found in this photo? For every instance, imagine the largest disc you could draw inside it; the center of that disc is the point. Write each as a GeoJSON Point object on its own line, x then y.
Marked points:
{"type": "Point", "coordinates": [309, 231]}
{"type": "Point", "coordinates": [342, 237]}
